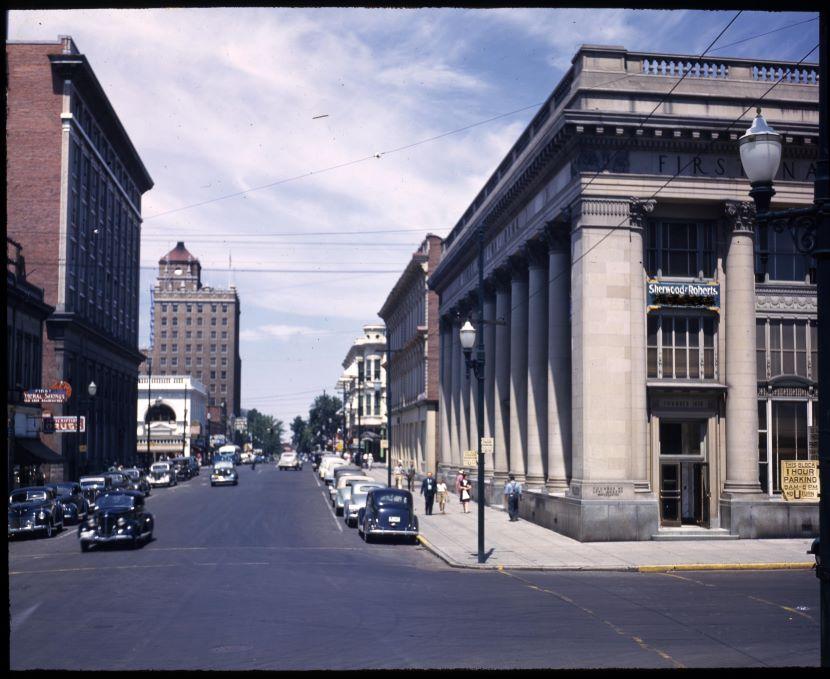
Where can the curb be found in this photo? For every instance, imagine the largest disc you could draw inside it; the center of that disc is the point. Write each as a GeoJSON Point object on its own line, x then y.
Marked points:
{"type": "Point", "coordinates": [803, 565]}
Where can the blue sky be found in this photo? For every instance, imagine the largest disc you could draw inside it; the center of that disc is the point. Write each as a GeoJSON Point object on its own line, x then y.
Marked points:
{"type": "Point", "coordinates": [221, 100]}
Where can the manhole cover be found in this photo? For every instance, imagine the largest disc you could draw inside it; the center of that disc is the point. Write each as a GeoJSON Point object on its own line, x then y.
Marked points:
{"type": "Point", "coordinates": [232, 648]}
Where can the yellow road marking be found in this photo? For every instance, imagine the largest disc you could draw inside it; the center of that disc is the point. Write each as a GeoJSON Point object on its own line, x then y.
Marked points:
{"type": "Point", "coordinates": [790, 565]}
{"type": "Point", "coordinates": [786, 608]}
{"type": "Point", "coordinates": [588, 611]}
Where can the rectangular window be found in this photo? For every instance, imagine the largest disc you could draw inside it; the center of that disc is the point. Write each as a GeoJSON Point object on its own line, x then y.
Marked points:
{"type": "Point", "coordinates": [175, 320]}
{"type": "Point", "coordinates": [224, 320]}
{"type": "Point", "coordinates": [784, 262]}
{"type": "Point", "coordinates": [213, 374]}
{"type": "Point", "coordinates": [213, 348]}
{"type": "Point", "coordinates": [164, 347]}
{"type": "Point", "coordinates": [224, 348]}
{"type": "Point", "coordinates": [200, 348]}
{"type": "Point", "coordinates": [680, 347]}
{"type": "Point", "coordinates": [224, 334]}
{"type": "Point", "coordinates": [163, 334]}
{"type": "Point", "coordinates": [789, 436]}
{"type": "Point", "coordinates": [188, 321]}
{"type": "Point", "coordinates": [224, 308]}
{"type": "Point", "coordinates": [164, 320]}
{"type": "Point", "coordinates": [213, 321]}
{"type": "Point", "coordinates": [188, 347]}
{"type": "Point", "coordinates": [213, 334]}
{"type": "Point", "coordinates": [174, 360]}
{"type": "Point", "coordinates": [198, 334]}
{"type": "Point", "coordinates": [174, 347]}
{"type": "Point", "coordinates": [788, 347]}
{"type": "Point", "coordinates": [175, 334]}
{"type": "Point", "coordinates": [224, 375]}
{"type": "Point", "coordinates": [213, 308]}
{"type": "Point", "coordinates": [763, 461]}
{"type": "Point", "coordinates": [199, 321]}
{"type": "Point", "coordinates": [681, 249]}
{"type": "Point", "coordinates": [761, 348]}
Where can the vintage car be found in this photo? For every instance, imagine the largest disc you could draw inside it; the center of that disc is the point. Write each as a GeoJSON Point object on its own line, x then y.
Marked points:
{"type": "Point", "coordinates": [34, 510]}
{"type": "Point", "coordinates": [327, 462]}
{"type": "Point", "coordinates": [343, 489]}
{"type": "Point", "coordinates": [357, 500]}
{"type": "Point", "coordinates": [182, 467]}
{"type": "Point", "coordinates": [329, 477]}
{"type": "Point", "coordinates": [194, 465]}
{"type": "Point", "coordinates": [290, 461]}
{"type": "Point", "coordinates": [119, 480]}
{"type": "Point", "coordinates": [137, 480]}
{"type": "Point", "coordinates": [93, 485]}
{"type": "Point", "coordinates": [388, 511]}
{"type": "Point", "coordinates": [120, 517]}
{"type": "Point", "coordinates": [224, 474]}
{"type": "Point", "coordinates": [336, 472]}
{"type": "Point", "coordinates": [162, 474]}
{"type": "Point", "coordinates": [73, 503]}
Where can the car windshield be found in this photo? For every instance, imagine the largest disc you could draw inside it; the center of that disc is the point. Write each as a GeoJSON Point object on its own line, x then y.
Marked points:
{"type": "Point", "coordinates": [98, 481]}
{"type": "Point", "coordinates": [132, 473]}
{"type": "Point", "coordinates": [117, 500]}
{"type": "Point", "coordinates": [159, 468]}
{"type": "Point", "coordinates": [28, 495]}
{"type": "Point", "coordinates": [66, 488]}
{"type": "Point", "coordinates": [391, 499]}
{"type": "Point", "coordinates": [364, 489]}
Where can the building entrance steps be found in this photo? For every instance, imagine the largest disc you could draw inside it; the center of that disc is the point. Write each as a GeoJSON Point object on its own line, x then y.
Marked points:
{"type": "Point", "coordinates": [694, 533]}
{"type": "Point", "coordinates": [453, 537]}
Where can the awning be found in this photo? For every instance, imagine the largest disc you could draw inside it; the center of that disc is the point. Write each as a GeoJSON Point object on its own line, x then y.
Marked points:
{"type": "Point", "coordinates": [34, 451]}
{"type": "Point", "coordinates": [370, 436]}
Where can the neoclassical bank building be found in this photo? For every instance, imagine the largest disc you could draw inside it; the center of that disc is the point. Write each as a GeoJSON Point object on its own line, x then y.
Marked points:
{"type": "Point", "coordinates": [650, 354]}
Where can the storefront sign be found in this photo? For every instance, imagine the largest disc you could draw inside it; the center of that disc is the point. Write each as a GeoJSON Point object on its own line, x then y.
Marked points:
{"type": "Point", "coordinates": [695, 295]}
{"type": "Point", "coordinates": [470, 458]}
{"type": "Point", "coordinates": [683, 404]}
{"type": "Point", "coordinates": [57, 393]}
{"type": "Point", "coordinates": [799, 480]}
{"type": "Point", "coordinates": [64, 423]}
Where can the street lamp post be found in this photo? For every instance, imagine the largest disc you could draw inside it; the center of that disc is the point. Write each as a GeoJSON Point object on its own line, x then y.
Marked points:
{"type": "Point", "coordinates": [91, 389]}
{"type": "Point", "coordinates": [359, 404]}
{"type": "Point", "coordinates": [149, 404]}
{"type": "Point", "coordinates": [468, 340]}
{"type": "Point", "coordinates": [388, 412]}
{"type": "Point", "coordinates": [184, 424]}
{"type": "Point", "coordinates": [760, 150]}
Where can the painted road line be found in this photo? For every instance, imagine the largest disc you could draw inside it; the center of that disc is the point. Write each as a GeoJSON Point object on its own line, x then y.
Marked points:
{"type": "Point", "coordinates": [791, 565]}
{"type": "Point", "coordinates": [331, 511]}
{"type": "Point", "coordinates": [93, 568]}
{"type": "Point", "coordinates": [794, 611]}
{"type": "Point", "coordinates": [18, 620]}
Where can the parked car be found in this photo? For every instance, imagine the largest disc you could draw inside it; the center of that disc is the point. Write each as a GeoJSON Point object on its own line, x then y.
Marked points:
{"type": "Point", "coordinates": [182, 468]}
{"type": "Point", "coordinates": [343, 491]}
{"type": "Point", "coordinates": [224, 474]}
{"type": "Point", "coordinates": [328, 461]}
{"type": "Point", "coordinates": [137, 480]}
{"type": "Point", "coordinates": [162, 474]}
{"type": "Point", "coordinates": [388, 511]}
{"type": "Point", "coordinates": [332, 466]}
{"type": "Point", "coordinates": [337, 473]}
{"type": "Point", "coordinates": [290, 461]}
{"type": "Point", "coordinates": [92, 486]}
{"type": "Point", "coordinates": [34, 510]}
{"type": "Point", "coordinates": [357, 500]}
{"type": "Point", "coordinates": [121, 517]}
{"type": "Point", "coordinates": [194, 465]}
{"type": "Point", "coordinates": [73, 503]}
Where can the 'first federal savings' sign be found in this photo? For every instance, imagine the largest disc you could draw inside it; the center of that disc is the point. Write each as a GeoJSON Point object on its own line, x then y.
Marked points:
{"type": "Point", "coordinates": [673, 294]}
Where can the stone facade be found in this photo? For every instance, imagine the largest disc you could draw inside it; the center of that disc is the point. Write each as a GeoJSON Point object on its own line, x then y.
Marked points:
{"type": "Point", "coordinates": [411, 316]}
{"type": "Point", "coordinates": [630, 300]}
{"type": "Point", "coordinates": [173, 409]}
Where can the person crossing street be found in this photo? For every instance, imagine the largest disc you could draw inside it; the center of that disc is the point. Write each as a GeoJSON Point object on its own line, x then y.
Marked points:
{"type": "Point", "coordinates": [428, 488]}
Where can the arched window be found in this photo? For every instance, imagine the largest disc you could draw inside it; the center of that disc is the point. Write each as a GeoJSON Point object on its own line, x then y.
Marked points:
{"type": "Point", "coordinates": [160, 412]}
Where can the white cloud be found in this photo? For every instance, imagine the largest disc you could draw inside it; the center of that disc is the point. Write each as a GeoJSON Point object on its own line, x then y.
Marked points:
{"type": "Point", "coordinates": [278, 332]}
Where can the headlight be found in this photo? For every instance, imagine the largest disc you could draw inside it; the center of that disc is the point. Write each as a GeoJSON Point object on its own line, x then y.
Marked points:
{"type": "Point", "coordinates": [121, 521]}
{"type": "Point", "coordinates": [90, 522]}
{"type": "Point", "coordinates": [41, 515]}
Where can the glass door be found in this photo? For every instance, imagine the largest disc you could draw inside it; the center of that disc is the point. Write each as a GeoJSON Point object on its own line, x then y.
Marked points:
{"type": "Point", "coordinates": [670, 494]}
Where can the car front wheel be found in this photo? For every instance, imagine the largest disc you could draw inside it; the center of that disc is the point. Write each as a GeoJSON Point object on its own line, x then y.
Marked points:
{"type": "Point", "coordinates": [84, 546]}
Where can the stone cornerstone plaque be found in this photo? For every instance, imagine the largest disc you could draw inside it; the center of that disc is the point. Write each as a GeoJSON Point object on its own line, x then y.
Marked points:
{"type": "Point", "coordinates": [799, 480]}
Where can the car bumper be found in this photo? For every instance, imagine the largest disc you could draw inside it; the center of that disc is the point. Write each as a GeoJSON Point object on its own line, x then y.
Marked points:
{"type": "Point", "coordinates": [26, 529]}
{"type": "Point", "coordinates": [224, 481]}
{"type": "Point", "coordinates": [389, 531]}
{"type": "Point", "coordinates": [92, 536]}
{"type": "Point", "coordinates": [160, 482]}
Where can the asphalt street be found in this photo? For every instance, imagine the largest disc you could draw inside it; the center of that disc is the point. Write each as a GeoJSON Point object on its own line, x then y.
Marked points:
{"type": "Point", "coordinates": [264, 576]}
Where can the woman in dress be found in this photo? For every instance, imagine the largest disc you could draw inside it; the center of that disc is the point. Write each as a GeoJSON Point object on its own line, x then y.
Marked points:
{"type": "Point", "coordinates": [464, 493]}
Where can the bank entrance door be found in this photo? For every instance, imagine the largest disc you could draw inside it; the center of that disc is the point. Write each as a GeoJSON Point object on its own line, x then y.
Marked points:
{"type": "Point", "coordinates": [684, 473]}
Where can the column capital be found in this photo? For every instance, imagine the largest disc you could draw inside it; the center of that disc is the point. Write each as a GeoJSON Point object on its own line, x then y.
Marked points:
{"type": "Point", "coordinates": [638, 211]}
{"type": "Point", "coordinates": [557, 233]}
{"type": "Point", "coordinates": [490, 286]}
{"type": "Point", "coordinates": [537, 253]}
{"type": "Point", "coordinates": [518, 262]}
{"type": "Point", "coordinates": [739, 215]}
{"type": "Point", "coordinates": [501, 278]}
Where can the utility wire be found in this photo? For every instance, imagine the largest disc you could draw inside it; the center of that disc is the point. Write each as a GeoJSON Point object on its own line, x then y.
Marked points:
{"type": "Point", "coordinates": [669, 180]}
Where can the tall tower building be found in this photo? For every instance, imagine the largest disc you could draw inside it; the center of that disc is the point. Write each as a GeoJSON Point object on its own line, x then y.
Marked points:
{"type": "Point", "coordinates": [74, 189]}
{"type": "Point", "coordinates": [196, 330]}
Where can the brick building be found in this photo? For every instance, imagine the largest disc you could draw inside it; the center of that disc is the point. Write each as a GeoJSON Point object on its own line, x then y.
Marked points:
{"type": "Point", "coordinates": [74, 187]}
{"type": "Point", "coordinates": [196, 333]}
{"type": "Point", "coordinates": [411, 316]}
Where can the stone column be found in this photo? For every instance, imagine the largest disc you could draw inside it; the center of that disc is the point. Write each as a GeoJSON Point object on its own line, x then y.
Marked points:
{"type": "Point", "coordinates": [639, 211]}
{"type": "Point", "coordinates": [455, 403]}
{"type": "Point", "coordinates": [537, 359]}
{"type": "Point", "coordinates": [443, 400]}
{"type": "Point", "coordinates": [741, 374]}
{"type": "Point", "coordinates": [501, 400]}
{"type": "Point", "coordinates": [518, 365]}
{"type": "Point", "coordinates": [489, 366]}
{"type": "Point", "coordinates": [559, 356]}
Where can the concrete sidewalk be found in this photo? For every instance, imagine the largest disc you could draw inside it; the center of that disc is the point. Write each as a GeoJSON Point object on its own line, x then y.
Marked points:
{"type": "Point", "coordinates": [453, 537]}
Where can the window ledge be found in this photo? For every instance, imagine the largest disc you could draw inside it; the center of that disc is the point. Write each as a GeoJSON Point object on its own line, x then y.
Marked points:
{"type": "Point", "coordinates": [684, 384]}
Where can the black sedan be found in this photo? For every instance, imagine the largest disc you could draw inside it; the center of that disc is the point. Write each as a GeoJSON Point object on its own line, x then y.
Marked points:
{"type": "Point", "coordinates": [73, 503]}
{"type": "Point", "coordinates": [34, 510]}
{"type": "Point", "coordinates": [93, 485]}
{"type": "Point", "coordinates": [121, 517]}
{"type": "Point", "coordinates": [137, 480]}
{"type": "Point", "coordinates": [388, 511]}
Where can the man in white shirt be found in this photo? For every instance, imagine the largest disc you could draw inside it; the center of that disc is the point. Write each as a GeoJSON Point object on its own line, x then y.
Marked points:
{"type": "Point", "coordinates": [512, 493]}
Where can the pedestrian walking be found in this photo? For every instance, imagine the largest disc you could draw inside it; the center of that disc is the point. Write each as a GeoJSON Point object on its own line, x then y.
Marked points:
{"type": "Point", "coordinates": [369, 460]}
{"type": "Point", "coordinates": [410, 477]}
{"type": "Point", "coordinates": [397, 475]}
{"type": "Point", "coordinates": [441, 490]}
{"type": "Point", "coordinates": [513, 493]}
{"type": "Point", "coordinates": [458, 478]}
{"type": "Point", "coordinates": [464, 493]}
{"type": "Point", "coordinates": [428, 490]}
